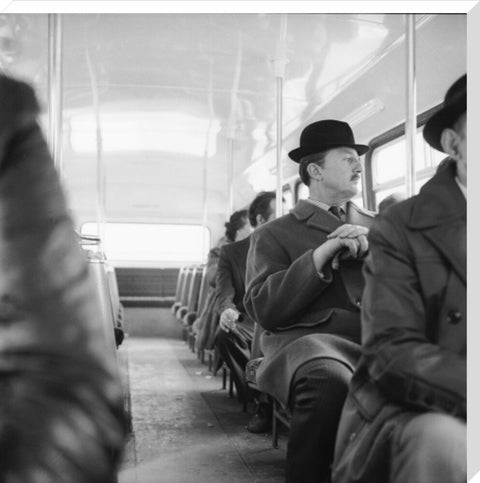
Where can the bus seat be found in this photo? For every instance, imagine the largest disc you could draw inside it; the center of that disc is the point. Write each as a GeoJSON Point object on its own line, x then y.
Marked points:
{"type": "Point", "coordinates": [193, 299]}
{"type": "Point", "coordinates": [178, 290]}
{"type": "Point", "coordinates": [189, 279]}
{"type": "Point", "coordinates": [280, 413]}
{"type": "Point", "coordinates": [99, 275]}
{"type": "Point", "coordinates": [183, 275]}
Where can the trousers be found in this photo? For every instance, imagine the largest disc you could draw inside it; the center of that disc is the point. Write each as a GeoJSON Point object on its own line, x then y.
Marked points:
{"type": "Point", "coordinates": [429, 448]}
{"type": "Point", "coordinates": [234, 347]}
{"type": "Point", "coordinates": [318, 391]}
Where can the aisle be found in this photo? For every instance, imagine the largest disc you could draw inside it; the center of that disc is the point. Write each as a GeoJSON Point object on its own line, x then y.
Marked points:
{"type": "Point", "coordinates": [186, 428]}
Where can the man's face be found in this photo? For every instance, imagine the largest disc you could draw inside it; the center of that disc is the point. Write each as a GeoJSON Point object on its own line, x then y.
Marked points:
{"type": "Point", "coordinates": [341, 172]}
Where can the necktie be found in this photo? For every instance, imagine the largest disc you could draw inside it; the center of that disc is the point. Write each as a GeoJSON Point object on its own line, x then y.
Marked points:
{"type": "Point", "coordinates": [335, 211]}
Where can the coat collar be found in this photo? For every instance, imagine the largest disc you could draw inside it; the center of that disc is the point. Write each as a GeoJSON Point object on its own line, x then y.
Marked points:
{"type": "Point", "coordinates": [439, 211]}
{"type": "Point", "coordinates": [439, 201]}
{"type": "Point", "coordinates": [323, 220]}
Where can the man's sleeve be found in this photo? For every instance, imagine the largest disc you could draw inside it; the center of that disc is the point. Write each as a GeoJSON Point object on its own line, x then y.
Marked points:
{"type": "Point", "coordinates": [61, 408]}
{"type": "Point", "coordinates": [224, 283]}
{"type": "Point", "coordinates": [278, 289]}
{"type": "Point", "coordinates": [407, 367]}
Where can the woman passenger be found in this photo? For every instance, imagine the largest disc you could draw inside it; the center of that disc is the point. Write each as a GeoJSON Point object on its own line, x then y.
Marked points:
{"type": "Point", "coordinates": [236, 228]}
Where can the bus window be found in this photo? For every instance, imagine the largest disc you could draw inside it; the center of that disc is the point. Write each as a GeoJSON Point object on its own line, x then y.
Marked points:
{"type": "Point", "coordinates": [288, 196]}
{"type": "Point", "coordinates": [137, 243]}
{"type": "Point", "coordinates": [389, 170]}
{"type": "Point", "coordinates": [301, 191]}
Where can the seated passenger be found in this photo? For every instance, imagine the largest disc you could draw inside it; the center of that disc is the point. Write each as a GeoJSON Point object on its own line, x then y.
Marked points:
{"type": "Point", "coordinates": [304, 286]}
{"type": "Point", "coordinates": [236, 228]}
{"type": "Point", "coordinates": [61, 415]}
{"type": "Point", "coordinates": [390, 200]}
{"type": "Point", "coordinates": [235, 334]}
{"type": "Point", "coordinates": [404, 419]}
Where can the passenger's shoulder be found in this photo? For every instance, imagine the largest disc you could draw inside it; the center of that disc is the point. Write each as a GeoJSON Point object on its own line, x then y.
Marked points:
{"type": "Point", "coordinates": [363, 211]}
{"type": "Point", "coordinates": [395, 219]}
{"type": "Point", "coordinates": [285, 222]}
{"type": "Point", "coordinates": [234, 248]}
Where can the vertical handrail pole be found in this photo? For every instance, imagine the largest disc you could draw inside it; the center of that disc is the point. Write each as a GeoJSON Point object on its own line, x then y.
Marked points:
{"type": "Point", "coordinates": [231, 142]}
{"type": "Point", "coordinates": [279, 63]}
{"type": "Point", "coordinates": [411, 105]}
{"type": "Point", "coordinates": [101, 175]}
{"type": "Point", "coordinates": [55, 87]}
{"type": "Point", "coordinates": [279, 164]}
{"type": "Point", "coordinates": [206, 155]}
{"type": "Point", "coordinates": [232, 120]}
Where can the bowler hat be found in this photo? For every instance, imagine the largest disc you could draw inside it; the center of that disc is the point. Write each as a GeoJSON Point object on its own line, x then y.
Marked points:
{"type": "Point", "coordinates": [454, 104]}
{"type": "Point", "coordinates": [323, 135]}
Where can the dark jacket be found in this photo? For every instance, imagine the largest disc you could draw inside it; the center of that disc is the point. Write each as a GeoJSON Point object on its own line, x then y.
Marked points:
{"type": "Point", "coordinates": [287, 297]}
{"type": "Point", "coordinates": [230, 282]}
{"type": "Point", "coordinates": [61, 406]}
{"type": "Point", "coordinates": [414, 326]}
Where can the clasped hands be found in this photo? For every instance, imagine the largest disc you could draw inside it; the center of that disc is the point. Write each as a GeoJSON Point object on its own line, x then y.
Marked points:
{"type": "Point", "coordinates": [347, 241]}
{"type": "Point", "coordinates": [228, 319]}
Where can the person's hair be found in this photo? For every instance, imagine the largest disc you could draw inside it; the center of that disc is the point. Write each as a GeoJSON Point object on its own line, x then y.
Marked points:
{"type": "Point", "coordinates": [390, 200]}
{"type": "Point", "coordinates": [317, 158]}
{"type": "Point", "coordinates": [236, 222]}
{"type": "Point", "coordinates": [260, 206]}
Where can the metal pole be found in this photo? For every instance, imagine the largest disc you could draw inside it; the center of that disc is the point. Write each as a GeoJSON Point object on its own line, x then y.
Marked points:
{"type": "Point", "coordinates": [206, 154]}
{"type": "Point", "coordinates": [231, 141]}
{"type": "Point", "coordinates": [279, 187]}
{"type": "Point", "coordinates": [411, 106]}
{"type": "Point", "coordinates": [231, 125]}
{"type": "Point", "coordinates": [279, 67]}
{"type": "Point", "coordinates": [55, 87]}
{"type": "Point", "coordinates": [101, 175]}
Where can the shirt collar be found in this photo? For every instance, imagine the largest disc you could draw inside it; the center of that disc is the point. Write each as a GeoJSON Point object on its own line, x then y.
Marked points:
{"type": "Point", "coordinates": [462, 187]}
{"type": "Point", "coordinates": [324, 206]}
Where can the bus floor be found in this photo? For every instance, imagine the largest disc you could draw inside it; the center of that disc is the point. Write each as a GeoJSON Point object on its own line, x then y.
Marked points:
{"type": "Point", "coordinates": [185, 427]}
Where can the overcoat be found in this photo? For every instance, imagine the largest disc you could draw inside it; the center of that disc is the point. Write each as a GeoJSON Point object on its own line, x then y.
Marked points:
{"type": "Point", "coordinates": [304, 315]}
{"type": "Point", "coordinates": [230, 282]}
{"type": "Point", "coordinates": [414, 327]}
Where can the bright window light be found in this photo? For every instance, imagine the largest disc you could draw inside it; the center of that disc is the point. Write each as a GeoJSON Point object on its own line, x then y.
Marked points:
{"type": "Point", "coordinates": [143, 242]}
{"type": "Point", "coordinates": [171, 132]}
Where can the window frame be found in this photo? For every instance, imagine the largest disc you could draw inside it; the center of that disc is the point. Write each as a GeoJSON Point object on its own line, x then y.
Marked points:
{"type": "Point", "coordinates": [379, 141]}
{"type": "Point", "coordinates": [141, 263]}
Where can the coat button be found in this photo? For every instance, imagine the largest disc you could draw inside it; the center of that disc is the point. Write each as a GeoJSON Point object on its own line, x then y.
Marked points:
{"type": "Point", "coordinates": [358, 302]}
{"type": "Point", "coordinates": [454, 317]}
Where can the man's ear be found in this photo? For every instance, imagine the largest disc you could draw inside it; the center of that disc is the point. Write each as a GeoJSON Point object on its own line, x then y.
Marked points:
{"type": "Point", "coordinates": [260, 219]}
{"type": "Point", "coordinates": [449, 140]}
{"type": "Point", "coordinates": [314, 171]}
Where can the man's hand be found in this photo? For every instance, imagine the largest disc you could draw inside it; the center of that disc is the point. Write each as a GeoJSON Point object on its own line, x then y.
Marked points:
{"type": "Point", "coordinates": [347, 241]}
{"type": "Point", "coordinates": [228, 318]}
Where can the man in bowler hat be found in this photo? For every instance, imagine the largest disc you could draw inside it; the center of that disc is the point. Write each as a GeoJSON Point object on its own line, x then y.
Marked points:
{"type": "Point", "coordinates": [304, 287]}
{"type": "Point", "coordinates": [404, 418]}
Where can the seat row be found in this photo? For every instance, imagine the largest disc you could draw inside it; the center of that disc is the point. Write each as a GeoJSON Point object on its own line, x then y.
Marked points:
{"type": "Point", "coordinates": [190, 299]}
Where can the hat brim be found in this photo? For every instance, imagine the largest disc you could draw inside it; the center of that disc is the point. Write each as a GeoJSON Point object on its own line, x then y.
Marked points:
{"type": "Point", "coordinates": [299, 153]}
{"type": "Point", "coordinates": [442, 119]}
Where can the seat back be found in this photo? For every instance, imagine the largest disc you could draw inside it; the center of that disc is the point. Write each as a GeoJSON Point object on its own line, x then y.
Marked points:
{"type": "Point", "coordinates": [180, 281]}
{"type": "Point", "coordinates": [202, 297]}
{"type": "Point", "coordinates": [195, 289]}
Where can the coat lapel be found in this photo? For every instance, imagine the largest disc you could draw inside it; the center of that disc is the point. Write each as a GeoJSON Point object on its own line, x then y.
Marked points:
{"type": "Point", "coordinates": [315, 217]}
{"type": "Point", "coordinates": [440, 213]}
{"type": "Point", "coordinates": [323, 220]}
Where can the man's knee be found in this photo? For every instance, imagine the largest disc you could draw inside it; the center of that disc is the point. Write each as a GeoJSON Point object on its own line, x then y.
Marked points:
{"type": "Point", "coordinates": [325, 379]}
{"type": "Point", "coordinates": [434, 446]}
{"type": "Point", "coordinates": [434, 432]}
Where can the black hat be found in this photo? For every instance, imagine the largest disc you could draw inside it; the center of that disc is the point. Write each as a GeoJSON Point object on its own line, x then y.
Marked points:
{"type": "Point", "coordinates": [323, 135]}
{"type": "Point", "coordinates": [454, 104]}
